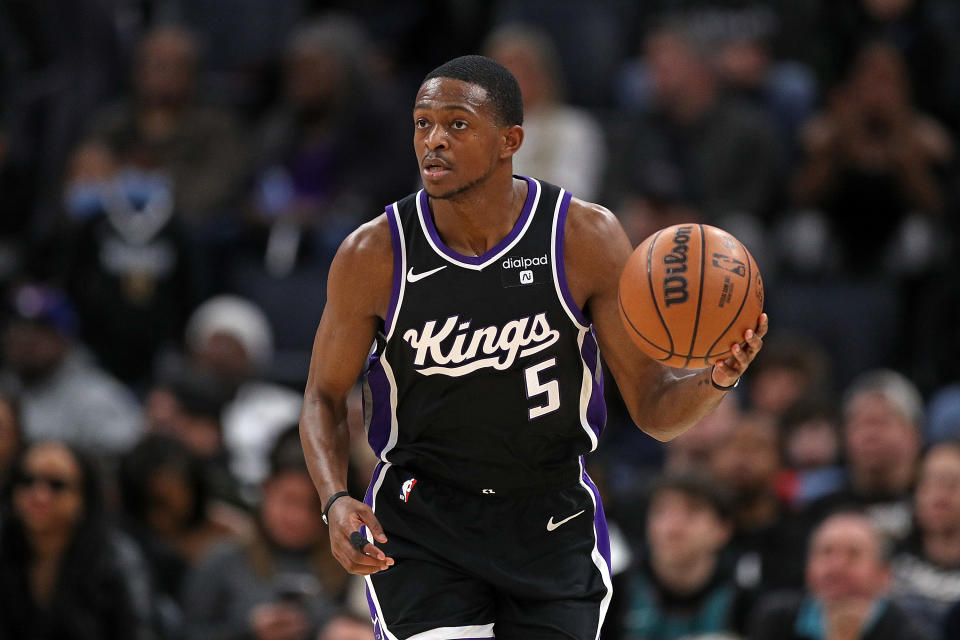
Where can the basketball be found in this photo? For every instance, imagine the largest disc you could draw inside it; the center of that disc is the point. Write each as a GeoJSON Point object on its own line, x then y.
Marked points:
{"type": "Point", "coordinates": [687, 293]}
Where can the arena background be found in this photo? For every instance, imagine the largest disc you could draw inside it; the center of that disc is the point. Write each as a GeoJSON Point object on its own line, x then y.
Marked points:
{"type": "Point", "coordinates": [176, 175]}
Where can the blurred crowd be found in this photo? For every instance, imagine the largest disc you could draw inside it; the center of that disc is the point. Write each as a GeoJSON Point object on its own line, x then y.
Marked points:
{"type": "Point", "coordinates": [175, 176]}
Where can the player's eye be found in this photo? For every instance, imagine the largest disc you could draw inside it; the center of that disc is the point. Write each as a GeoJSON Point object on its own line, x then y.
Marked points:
{"type": "Point", "coordinates": [459, 125]}
{"type": "Point", "coordinates": [420, 123]}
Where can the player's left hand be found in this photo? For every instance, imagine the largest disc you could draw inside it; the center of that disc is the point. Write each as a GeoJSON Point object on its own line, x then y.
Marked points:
{"type": "Point", "coordinates": [728, 370]}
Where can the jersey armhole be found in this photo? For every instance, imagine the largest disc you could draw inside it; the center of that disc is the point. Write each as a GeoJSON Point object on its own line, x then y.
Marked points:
{"type": "Point", "coordinates": [560, 272]}
{"type": "Point", "coordinates": [399, 268]}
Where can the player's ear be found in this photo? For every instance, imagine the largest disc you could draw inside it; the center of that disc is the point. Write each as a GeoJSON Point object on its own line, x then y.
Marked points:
{"type": "Point", "coordinates": [510, 140]}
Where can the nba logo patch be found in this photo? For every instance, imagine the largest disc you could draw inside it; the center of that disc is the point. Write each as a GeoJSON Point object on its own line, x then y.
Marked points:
{"type": "Point", "coordinates": [407, 488]}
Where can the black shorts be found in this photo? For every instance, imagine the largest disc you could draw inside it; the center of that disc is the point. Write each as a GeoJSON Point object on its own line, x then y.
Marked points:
{"type": "Point", "coordinates": [469, 565]}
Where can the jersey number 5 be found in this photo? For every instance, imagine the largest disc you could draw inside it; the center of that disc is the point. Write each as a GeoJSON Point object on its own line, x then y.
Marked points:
{"type": "Point", "coordinates": [535, 387]}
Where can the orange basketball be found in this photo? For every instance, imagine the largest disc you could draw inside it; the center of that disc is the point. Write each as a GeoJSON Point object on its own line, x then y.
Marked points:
{"type": "Point", "coordinates": [687, 293]}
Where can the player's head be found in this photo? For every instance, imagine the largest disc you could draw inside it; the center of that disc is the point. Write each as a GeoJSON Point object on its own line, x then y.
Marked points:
{"type": "Point", "coordinates": [467, 119]}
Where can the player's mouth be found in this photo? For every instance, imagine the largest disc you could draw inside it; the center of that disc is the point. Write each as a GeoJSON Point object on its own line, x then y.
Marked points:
{"type": "Point", "coordinates": [434, 168]}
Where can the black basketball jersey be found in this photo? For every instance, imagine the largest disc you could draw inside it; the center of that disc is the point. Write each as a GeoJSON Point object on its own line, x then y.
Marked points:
{"type": "Point", "coordinates": [486, 375]}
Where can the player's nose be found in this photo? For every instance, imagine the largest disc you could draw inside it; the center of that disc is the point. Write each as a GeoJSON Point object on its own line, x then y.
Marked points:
{"type": "Point", "coordinates": [436, 138]}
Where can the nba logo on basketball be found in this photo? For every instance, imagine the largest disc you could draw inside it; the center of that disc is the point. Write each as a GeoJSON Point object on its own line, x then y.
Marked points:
{"type": "Point", "coordinates": [407, 488]}
{"type": "Point", "coordinates": [526, 277]}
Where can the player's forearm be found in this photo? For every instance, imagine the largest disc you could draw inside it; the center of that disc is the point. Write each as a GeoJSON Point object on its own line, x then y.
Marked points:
{"type": "Point", "coordinates": [326, 443]}
{"type": "Point", "coordinates": [677, 404]}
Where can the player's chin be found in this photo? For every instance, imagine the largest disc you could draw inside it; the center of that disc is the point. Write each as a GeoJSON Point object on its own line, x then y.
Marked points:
{"type": "Point", "coordinates": [440, 193]}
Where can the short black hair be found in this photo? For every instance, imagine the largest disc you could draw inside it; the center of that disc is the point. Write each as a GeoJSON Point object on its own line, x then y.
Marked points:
{"type": "Point", "coordinates": [502, 89]}
{"type": "Point", "coordinates": [697, 487]}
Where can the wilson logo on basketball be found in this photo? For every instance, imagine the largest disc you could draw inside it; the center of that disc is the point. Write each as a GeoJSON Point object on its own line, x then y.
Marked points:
{"type": "Point", "coordinates": [675, 290]}
{"type": "Point", "coordinates": [455, 350]}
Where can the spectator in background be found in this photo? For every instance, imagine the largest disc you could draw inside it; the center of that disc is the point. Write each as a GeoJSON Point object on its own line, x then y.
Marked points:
{"type": "Point", "coordinates": [926, 566]}
{"type": "Point", "coordinates": [324, 167]}
{"type": "Point", "coordinates": [743, 38]}
{"type": "Point", "coordinates": [347, 626]}
{"type": "Point", "coordinates": [847, 578]}
{"type": "Point", "coordinates": [873, 164]}
{"type": "Point", "coordinates": [785, 90]}
{"type": "Point", "coordinates": [747, 464]}
{"type": "Point", "coordinates": [916, 28]}
{"type": "Point", "coordinates": [283, 584]}
{"type": "Point", "coordinates": [166, 494]}
{"type": "Point", "coordinates": [230, 339]}
{"type": "Point", "coordinates": [725, 151]}
{"type": "Point", "coordinates": [810, 432]}
{"type": "Point", "coordinates": [882, 431]}
{"type": "Point", "coordinates": [64, 573]}
{"type": "Point", "coordinates": [63, 394]}
{"type": "Point", "coordinates": [128, 268]}
{"type": "Point", "coordinates": [684, 589]}
{"type": "Point", "coordinates": [188, 405]}
{"type": "Point", "coordinates": [561, 144]}
{"type": "Point", "coordinates": [653, 200]}
{"type": "Point", "coordinates": [792, 369]}
{"type": "Point", "coordinates": [11, 433]}
{"type": "Point", "coordinates": [691, 451]}
{"type": "Point", "coordinates": [160, 127]}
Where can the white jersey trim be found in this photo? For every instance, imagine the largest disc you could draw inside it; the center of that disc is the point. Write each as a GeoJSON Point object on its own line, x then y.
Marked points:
{"type": "Point", "coordinates": [403, 269]}
{"type": "Point", "coordinates": [370, 589]}
{"type": "Point", "coordinates": [596, 556]}
{"type": "Point", "coordinates": [492, 259]}
{"type": "Point", "coordinates": [452, 633]}
{"type": "Point", "coordinates": [555, 255]}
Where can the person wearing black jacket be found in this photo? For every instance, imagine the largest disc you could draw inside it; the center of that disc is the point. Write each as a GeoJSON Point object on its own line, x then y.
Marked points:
{"type": "Point", "coordinates": [64, 573]}
{"type": "Point", "coordinates": [848, 577]}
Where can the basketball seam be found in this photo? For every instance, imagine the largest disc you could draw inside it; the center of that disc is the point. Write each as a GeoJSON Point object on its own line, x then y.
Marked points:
{"type": "Point", "coordinates": [696, 319]}
{"type": "Point", "coordinates": [635, 330]}
{"type": "Point", "coordinates": [742, 302]}
{"type": "Point", "coordinates": [653, 295]}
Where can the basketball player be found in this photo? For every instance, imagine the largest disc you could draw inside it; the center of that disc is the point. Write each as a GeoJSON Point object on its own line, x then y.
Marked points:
{"type": "Point", "coordinates": [487, 298]}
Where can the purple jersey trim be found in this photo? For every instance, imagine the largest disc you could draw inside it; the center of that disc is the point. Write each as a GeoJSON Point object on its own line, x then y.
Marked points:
{"type": "Point", "coordinates": [478, 260]}
{"type": "Point", "coordinates": [398, 250]}
{"type": "Point", "coordinates": [561, 268]}
{"type": "Point", "coordinates": [599, 521]}
{"type": "Point", "coordinates": [378, 431]}
{"type": "Point", "coordinates": [597, 407]}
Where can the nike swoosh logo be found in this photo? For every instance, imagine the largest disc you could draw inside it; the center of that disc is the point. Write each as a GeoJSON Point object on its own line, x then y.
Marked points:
{"type": "Point", "coordinates": [414, 277]}
{"type": "Point", "coordinates": [551, 525]}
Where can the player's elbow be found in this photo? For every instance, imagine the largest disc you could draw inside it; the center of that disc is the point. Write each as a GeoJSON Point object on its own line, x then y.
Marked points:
{"type": "Point", "coordinates": [644, 412]}
{"type": "Point", "coordinates": [656, 432]}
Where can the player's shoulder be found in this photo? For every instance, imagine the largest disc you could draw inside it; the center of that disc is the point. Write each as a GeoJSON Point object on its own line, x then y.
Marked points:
{"type": "Point", "coordinates": [361, 275]}
{"type": "Point", "coordinates": [368, 243]}
{"type": "Point", "coordinates": [591, 225]}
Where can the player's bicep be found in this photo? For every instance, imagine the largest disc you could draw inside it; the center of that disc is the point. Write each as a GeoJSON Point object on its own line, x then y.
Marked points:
{"type": "Point", "coordinates": [598, 251]}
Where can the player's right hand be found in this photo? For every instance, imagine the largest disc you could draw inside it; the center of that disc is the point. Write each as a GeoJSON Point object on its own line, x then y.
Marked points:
{"type": "Point", "coordinates": [346, 516]}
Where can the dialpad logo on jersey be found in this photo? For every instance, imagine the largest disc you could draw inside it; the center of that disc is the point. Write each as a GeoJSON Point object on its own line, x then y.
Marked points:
{"type": "Point", "coordinates": [455, 350]}
{"type": "Point", "coordinates": [523, 270]}
{"type": "Point", "coordinates": [406, 488]}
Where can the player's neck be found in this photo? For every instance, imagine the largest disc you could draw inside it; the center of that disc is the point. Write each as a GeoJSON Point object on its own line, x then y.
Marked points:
{"type": "Point", "coordinates": [476, 220]}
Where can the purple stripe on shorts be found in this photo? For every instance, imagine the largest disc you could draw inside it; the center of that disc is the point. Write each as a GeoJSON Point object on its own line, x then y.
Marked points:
{"type": "Point", "coordinates": [517, 228]}
{"type": "Point", "coordinates": [378, 431]}
{"type": "Point", "coordinates": [597, 407]}
{"type": "Point", "coordinates": [398, 248]}
{"type": "Point", "coordinates": [561, 269]}
{"type": "Point", "coordinates": [599, 522]}
{"type": "Point", "coordinates": [368, 498]}
{"type": "Point", "coordinates": [377, 629]}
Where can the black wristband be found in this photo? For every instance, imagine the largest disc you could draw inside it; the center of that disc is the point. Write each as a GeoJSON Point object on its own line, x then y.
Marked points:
{"type": "Point", "coordinates": [720, 388]}
{"type": "Point", "coordinates": [333, 498]}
